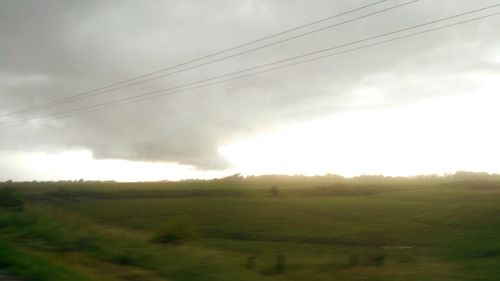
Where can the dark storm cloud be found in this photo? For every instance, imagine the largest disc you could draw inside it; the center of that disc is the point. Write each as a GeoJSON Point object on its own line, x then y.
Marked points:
{"type": "Point", "coordinates": [53, 49]}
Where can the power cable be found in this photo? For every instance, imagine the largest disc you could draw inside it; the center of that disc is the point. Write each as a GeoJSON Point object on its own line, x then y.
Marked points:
{"type": "Point", "coordinates": [111, 88]}
{"type": "Point", "coordinates": [160, 93]}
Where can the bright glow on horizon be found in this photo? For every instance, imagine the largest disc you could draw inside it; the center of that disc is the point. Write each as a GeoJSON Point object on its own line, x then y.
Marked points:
{"type": "Point", "coordinates": [434, 136]}
{"type": "Point", "coordinates": [497, 59]}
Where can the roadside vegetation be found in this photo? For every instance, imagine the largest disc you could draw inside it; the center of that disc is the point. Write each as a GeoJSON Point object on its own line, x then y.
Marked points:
{"type": "Point", "coordinates": [259, 228]}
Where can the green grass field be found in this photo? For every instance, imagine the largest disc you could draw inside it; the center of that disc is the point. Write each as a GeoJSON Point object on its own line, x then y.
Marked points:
{"type": "Point", "coordinates": [322, 228]}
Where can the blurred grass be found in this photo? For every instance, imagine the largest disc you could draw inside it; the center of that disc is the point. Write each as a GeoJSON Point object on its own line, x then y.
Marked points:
{"type": "Point", "coordinates": [326, 230]}
{"type": "Point", "coordinates": [32, 267]}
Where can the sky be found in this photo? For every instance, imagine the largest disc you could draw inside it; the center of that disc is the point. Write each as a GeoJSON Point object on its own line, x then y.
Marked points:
{"type": "Point", "coordinates": [426, 104]}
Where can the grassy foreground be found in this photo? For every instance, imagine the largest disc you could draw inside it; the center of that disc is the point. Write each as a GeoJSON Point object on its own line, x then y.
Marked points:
{"type": "Point", "coordinates": [264, 228]}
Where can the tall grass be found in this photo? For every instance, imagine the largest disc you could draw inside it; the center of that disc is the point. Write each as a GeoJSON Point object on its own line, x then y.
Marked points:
{"type": "Point", "coordinates": [32, 267]}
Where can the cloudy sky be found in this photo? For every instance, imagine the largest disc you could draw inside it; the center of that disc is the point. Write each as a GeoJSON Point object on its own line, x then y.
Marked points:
{"type": "Point", "coordinates": [419, 105]}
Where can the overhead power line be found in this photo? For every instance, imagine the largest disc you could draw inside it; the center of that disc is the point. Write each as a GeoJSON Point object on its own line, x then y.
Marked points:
{"type": "Point", "coordinates": [146, 77]}
{"type": "Point", "coordinates": [161, 93]}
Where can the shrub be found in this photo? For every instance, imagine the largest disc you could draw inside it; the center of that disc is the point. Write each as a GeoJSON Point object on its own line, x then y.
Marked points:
{"type": "Point", "coordinates": [10, 199]}
{"type": "Point", "coordinates": [274, 191]}
{"type": "Point", "coordinates": [176, 231]}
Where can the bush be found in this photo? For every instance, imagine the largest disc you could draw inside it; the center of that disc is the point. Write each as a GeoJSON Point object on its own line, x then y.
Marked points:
{"type": "Point", "coordinates": [274, 191]}
{"type": "Point", "coordinates": [10, 199]}
{"type": "Point", "coordinates": [176, 231]}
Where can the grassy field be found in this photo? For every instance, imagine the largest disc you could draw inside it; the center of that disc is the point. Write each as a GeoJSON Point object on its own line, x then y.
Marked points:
{"type": "Point", "coordinates": [322, 228]}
